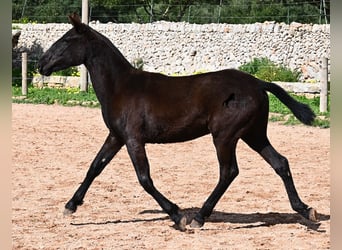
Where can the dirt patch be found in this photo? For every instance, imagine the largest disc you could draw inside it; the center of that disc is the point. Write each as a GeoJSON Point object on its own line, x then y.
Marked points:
{"type": "Point", "coordinates": [54, 145]}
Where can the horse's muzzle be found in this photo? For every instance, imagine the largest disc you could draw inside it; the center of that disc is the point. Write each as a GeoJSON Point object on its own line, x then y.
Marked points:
{"type": "Point", "coordinates": [42, 69]}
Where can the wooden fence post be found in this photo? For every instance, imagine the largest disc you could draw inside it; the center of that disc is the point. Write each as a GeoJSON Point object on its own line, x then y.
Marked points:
{"type": "Point", "coordinates": [83, 71]}
{"type": "Point", "coordinates": [323, 100]}
{"type": "Point", "coordinates": [24, 73]}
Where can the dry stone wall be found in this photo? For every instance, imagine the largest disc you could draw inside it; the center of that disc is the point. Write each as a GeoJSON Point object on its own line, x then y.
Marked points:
{"type": "Point", "coordinates": [187, 48]}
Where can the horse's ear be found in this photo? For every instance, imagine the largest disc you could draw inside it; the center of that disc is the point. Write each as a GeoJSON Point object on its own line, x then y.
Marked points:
{"type": "Point", "coordinates": [75, 20]}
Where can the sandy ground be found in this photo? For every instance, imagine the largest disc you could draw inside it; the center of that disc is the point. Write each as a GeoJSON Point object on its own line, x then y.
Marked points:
{"type": "Point", "coordinates": [54, 145]}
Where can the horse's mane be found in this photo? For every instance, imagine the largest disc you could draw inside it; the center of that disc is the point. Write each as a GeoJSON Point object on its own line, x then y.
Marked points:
{"type": "Point", "coordinates": [115, 50]}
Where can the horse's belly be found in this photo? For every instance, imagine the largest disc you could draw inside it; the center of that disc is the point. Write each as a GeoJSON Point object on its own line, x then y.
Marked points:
{"type": "Point", "coordinates": [175, 133]}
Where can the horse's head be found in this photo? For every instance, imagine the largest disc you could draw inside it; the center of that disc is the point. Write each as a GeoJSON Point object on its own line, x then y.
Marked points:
{"type": "Point", "coordinates": [67, 51]}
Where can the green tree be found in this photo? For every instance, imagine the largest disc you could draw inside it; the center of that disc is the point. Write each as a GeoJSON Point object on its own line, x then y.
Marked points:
{"type": "Point", "coordinates": [194, 11]}
{"type": "Point", "coordinates": [44, 10]}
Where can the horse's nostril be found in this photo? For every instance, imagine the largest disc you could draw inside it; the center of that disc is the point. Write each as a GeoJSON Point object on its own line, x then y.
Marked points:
{"type": "Point", "coordinates": [40, 67]}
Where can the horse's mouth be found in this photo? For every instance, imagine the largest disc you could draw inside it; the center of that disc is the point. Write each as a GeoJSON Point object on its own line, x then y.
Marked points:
{"type": "Point", "coordinates": [44, 70]}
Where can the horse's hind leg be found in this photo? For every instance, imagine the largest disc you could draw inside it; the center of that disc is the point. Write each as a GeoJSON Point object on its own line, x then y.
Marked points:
{"type": "Point", "coordinates": [104, 156]}
{"type": "Point", "coordinates": [228, 171]}
{"type": "Point", "coordinates": [280, 164]}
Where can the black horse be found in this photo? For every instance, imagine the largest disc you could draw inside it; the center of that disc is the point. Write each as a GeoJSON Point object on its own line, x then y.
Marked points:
{"type": "Point", "coordinates": [140, 107]}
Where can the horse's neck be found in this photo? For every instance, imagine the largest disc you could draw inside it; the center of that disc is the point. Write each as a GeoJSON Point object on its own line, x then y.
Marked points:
{"type": "Point", "coordinates": [105, 50]}
{"type": "Point", "coordinates": [105, 66]}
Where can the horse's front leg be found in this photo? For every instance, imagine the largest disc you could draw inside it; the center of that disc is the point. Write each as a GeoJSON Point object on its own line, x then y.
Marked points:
{"type": "Point", "coordinates": [109, 149]}
{"type": "Point", "coordinates": [139, 159]}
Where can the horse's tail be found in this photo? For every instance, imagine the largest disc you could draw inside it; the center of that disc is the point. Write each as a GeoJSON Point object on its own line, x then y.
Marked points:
{"type": "Point", "coordinates": [300, 110]}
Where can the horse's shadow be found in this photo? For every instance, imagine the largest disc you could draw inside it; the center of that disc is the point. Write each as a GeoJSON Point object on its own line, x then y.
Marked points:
{"type": "Point", "coordinates": [242, 220]}
{"type": "Point", "coordinates": [254, 220]}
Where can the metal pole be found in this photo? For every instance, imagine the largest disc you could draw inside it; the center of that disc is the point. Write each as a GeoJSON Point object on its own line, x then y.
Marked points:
{"type": "Point", "coordinates": [323, 100]}
{"type": "Point", "coordinates": [325, 13]}
{"type": "Point", "coordinates": [151, 16]}
{"type": "Point", "coordinates": [83, 71]}
{"type": "Point", "coordinates": [23, 11]}
{"type": "Point", "coordinates": [320, 12]}
{"type": "Point", "coordinates": [219, 12]}
{"type": "Point", "coordinates": [24, 73]}
{"type": "Point", "coordinates": [189, 14]}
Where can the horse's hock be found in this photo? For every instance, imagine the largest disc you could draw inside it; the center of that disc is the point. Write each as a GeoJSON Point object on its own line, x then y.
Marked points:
{"type": "Point", "coordinates": [185, 48]}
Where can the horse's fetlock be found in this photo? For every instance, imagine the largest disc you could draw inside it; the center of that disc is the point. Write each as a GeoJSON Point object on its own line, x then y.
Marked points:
{"type": "Point", "coordinates": [144, 180]}
{"type": "Point", "coordinates": [284, 162]}
{"type": "Point", "coordinates": [234, 172]}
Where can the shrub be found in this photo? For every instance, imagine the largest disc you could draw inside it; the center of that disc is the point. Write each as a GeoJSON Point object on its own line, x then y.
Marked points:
{"type": "Point", "coordinates": [255, 65]}
{"type": "Point", "coordinates": [267, 70]}
{"type": "Point", "coordinates": [278, 73]}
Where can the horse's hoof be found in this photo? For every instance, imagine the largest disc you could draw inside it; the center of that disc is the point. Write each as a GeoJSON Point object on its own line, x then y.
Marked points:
{"type": "Point", "coordinates": [312, 215]}
{"type": "Point", "coordinates": [181, 226]}
{"type": "Point", "coordinates": [196, 224]}
{"type": "Point", "coordinates": [68, 212]}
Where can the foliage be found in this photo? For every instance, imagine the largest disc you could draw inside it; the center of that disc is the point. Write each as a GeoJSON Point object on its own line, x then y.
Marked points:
{"type": "Point", "coordinates": [138, 63]}
{"type": "Point", "coordinates": [280, 113]}
{"type": "Point", "coordinates": [255, 65]}
{"type": "Point", "coordinates": [265, 69]}
{"type": "Point", "coordinates": [63, 96]}
{"type": "Point", "coordinates": [193, 11]}
{"type": "Point", "coordinates": [71, 71]}
{"type": "Point", "coordinates": [279, 107]}
{"type": "Point", "coordinates": [44, 11]}
{"type": "Point", "coordinates": [32, 71]}
{"type": "Point", "coordinates": [278, 73]}
{"type": "Point", "coordinates": [16, 76]}
{"type": "Point", "coordinates": [16, 73]}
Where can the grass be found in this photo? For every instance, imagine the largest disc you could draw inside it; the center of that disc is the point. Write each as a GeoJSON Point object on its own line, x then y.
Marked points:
{"type": "Point", "coordinates": [73, 96]}
{"type": "Point", "coordinates": [280, 113]}
{"type": "Point", "coordinates": [62, 96]}
{"type": "Point", "coordinates": [265, 69]}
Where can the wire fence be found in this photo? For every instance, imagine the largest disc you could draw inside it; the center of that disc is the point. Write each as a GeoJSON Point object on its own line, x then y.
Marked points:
{"type": "Point", "coordinates": [316, 11]}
